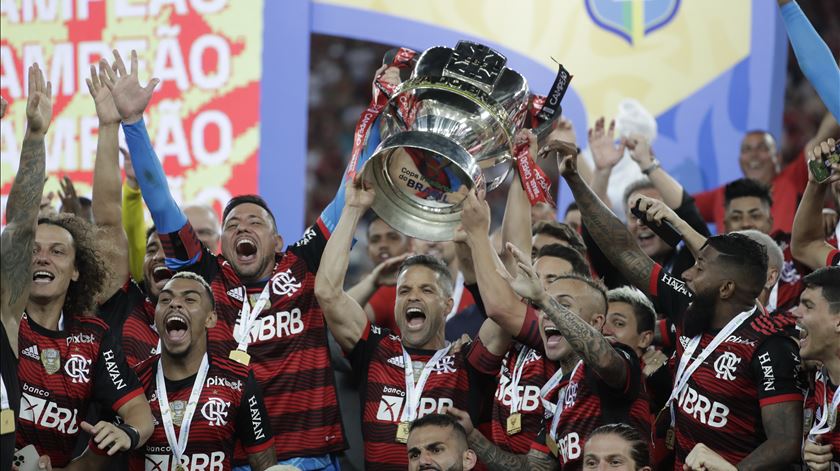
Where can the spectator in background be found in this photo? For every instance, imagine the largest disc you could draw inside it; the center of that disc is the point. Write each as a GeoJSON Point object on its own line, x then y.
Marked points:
{"type": "Point", "coordinates": [72, 203]}
{"type": "Point", "coordinates": [206, 224]}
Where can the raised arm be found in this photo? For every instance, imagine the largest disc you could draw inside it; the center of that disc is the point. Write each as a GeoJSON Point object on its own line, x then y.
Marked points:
{"type": "Point", "coordinates": [595, 350]}
{"type": "Point", "coordinates": [22, 207]}
{"type": "Point", "coordinates": [605, 155]}
{"type": "Point", "coordinates": [606, 229]}
{"type": "Point", "coordinates": [657, 212]}
{"type": "Point", "coordinates": [807, 242]}
{"type": "Point", "coordinates": [131, 101]}
{"type": "Point", "coordinates": [345, 317]}
{"type": "Point", "coordinates": [132, 219]}
{"type": "Point", "coordinates": [516, 223]}
{"type": "Point", "coordinates": [107, 192]}
{"type": "Point", "coordinates": [642, 154]}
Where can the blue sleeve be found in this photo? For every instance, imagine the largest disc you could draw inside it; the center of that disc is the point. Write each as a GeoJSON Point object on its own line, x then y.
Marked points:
{"type": "Point", "coordinates": [332, 212]}
{"type": "Point", "coordinates": [154, 187]}
{"type": "Point", "coordinates": [814, 57]}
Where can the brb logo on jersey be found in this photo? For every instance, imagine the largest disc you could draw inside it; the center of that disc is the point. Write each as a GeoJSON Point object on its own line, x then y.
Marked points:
{"type": "Point", "coordinates": [215, 411]}
{"type": "Point", "coordinates": [77, 368]}
{"type": "Point", "coordinates": [725, 365]}
{"type": "Point", "coordinates": [632, 20]}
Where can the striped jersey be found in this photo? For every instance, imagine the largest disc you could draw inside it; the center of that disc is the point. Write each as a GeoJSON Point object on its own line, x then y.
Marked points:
{"type": "Point", "coordinates": [230, 408]}
{"type": "Point", "coordinates": [824, 391]}
{"type": "Point", "coordinates": [461, 379]}
{"type": "Point", "coordinates": [130, 315]}
{"type": "Point", "coordinates": [61, 372]}
{"type": "Point", "coordinates": [288, 340]}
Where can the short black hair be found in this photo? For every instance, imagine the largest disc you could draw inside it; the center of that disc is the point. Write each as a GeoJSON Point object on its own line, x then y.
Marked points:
{"type": "Point", "coordinates": [433, 263]}
{"type": "Point", "coordinates": [253, 199]}
{"type": "Point", "coordinates": [573, 206]}
{"type": "Point", "coordinates": [150, 231]}
{"type": "Point", "coordinates": [562, 231]}
{"type": "Point", "coordinates": [188, 275]}
{"type": "Point", "coordinates": [443, 421]}
{"type": "Point", "coordinates": [744, 257]}
{"type": "Point", "coordinates": [746, 187]}
{"type": "Point", "coordinates": [639, 451]}
{"type": "Point", "coordinates": [827, 278]}
{"type": "Point", "coordinates": [579, 264]}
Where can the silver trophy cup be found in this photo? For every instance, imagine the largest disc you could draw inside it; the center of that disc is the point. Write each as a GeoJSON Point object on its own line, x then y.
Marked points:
{"type": "Point", "coordinates": [447, 130]}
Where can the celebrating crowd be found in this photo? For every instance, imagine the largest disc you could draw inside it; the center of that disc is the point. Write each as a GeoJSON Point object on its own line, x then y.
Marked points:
{"type": "Point", "coordinates": [631, 341]}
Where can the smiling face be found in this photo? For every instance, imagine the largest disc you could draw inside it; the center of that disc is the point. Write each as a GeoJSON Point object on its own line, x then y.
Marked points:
{"type": "Point", "coordinates": [183, 314]}
{"type": "Point", "coordinates": [249, 241]}
{"type": "Point", "coordinates": [155, 273]}
{"type": "Point", "coordinates": [748, 212]}
{"type": "Point", "coordinates": [577, 296]}
{"type": "Point", "coordinates": [650, 243]}
{"type": "Point", "coordinates": [819, 327]}
{"type": "Point", "coordinates": [421, 306]}
{"type": "Point", "coordinates": [758, 157]}
{"type": "Point", "coordinates": [53, 263]}
{"type": "Point", "coordinates": [621, 325]}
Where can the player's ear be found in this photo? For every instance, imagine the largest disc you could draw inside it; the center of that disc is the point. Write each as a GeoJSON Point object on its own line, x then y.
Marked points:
{"type": "Point", "coordinates": [278, 243]}
{"type": "Point", "coordinates": [469, 459]}
{"type": "Point", "coordinates": [211, 320]}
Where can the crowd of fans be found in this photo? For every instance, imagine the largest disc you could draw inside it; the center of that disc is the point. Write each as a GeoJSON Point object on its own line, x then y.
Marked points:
{"type": "Point", "coordinates": [640, 342]}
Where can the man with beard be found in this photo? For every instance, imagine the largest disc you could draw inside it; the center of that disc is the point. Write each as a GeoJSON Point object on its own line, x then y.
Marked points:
{"type": "Point", "coordinates": [736, 399]}
{"type": "Point", "coordinates": [818, 317]}
{"type": "Point", "coordinates": [17, 240]}
{"type": "Point", "coordinates": [403, 378]}
{"type": "Point", "coordinates": [268, 317]}
{"type": "Point", "coordinates": [807, 241]}
{"type": "Point", "coordinates": [438, 442]}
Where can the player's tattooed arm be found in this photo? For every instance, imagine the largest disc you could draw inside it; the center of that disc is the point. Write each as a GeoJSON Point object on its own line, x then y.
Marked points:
{"type": "Point", "coordinates": [497, 459]}
{"type": "Point", "coordinates": [22, 207]}
{"type": "Point", "coordinates": [262, 460]}
{"type": "Point", "coordinates": [783, 427]}
{"type": "Point", "coordinates": [609, 232]}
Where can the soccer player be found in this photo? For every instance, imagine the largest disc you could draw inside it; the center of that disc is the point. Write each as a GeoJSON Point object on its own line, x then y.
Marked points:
{"type": "Point", "coordinates": [128, 309]}
{"type": "Point", "coordinates": [17, 240]}
{"type": "Point", "coordinates": [437, 441]}
{"type": "Point", "coordinates": [736, 391]}
{"type": "Point", "coordinates": [807, 240]}
{"type": "Point", "coordinates": [403, 378]}
{"type": "Point", "coordinates": [617, 447]}
{"type": "Point", "coordinates": [268, 317]}
{"type": "Point", "coordinates": [818, 316]}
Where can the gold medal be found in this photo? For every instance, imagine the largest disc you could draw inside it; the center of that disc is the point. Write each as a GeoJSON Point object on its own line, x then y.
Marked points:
{"type": "Point", "coordinates": [670, 439]}
{"type": "Point", "coordinates": [180, 467]}
{"type": "Point", "coordinates": [240, 356]}
{"type": "Point", "coordinates": [178, 408]}
{"type": "Point", "coordinates": [514, 423]}
{"type": "Point", "coordinates": [7, 421]}
{"type": "Point", "coordinates": [402, 432]}
{"type": "Point", "coordinates": [552, 446]}
{"type": "Point", "coordinates": [51, 359]}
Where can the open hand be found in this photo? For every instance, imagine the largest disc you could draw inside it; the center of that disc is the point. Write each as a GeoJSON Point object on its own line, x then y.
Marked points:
{"type": "Point", "coordinates": [106, 111]}
{"type": "Point", "coordinates": [526, 283]}
{"type": "Point", "coordinates": [130, 98]}
{"type": "Point", "coordinates": [105, 434]}
{"type": "Point", "coordinates": [605, 153]}
{"type": "Point", "coordinates": [69, 198]}
{"type": "Point", "coordinates": [640, 150]}
{"type": "Point", "coordinates": [39, 103]}
{"type": "Point", "coordinates": [462, 417]}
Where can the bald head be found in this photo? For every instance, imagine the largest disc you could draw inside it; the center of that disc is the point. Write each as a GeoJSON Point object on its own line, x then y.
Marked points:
{"type": "Point", "coordinates": [206, 224]}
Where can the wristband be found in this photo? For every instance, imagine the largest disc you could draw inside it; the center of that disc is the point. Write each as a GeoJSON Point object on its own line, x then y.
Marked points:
{"type": "Point", "coordinates": [650, 168]}
{"type": "Point", "coordinates": [133, 435]}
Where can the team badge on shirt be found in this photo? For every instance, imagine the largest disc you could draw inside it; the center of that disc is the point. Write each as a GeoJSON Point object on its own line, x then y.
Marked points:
{"type": "Point", "coordinates": [51, 359]}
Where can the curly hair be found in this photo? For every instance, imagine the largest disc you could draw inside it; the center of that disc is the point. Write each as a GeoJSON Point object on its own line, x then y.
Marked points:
{"type": "Point", "coordinates": [89, 261]}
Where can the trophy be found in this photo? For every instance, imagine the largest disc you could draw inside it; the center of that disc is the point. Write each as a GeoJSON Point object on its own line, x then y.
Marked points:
{"type": "Point", "coordinates": [447, 130]}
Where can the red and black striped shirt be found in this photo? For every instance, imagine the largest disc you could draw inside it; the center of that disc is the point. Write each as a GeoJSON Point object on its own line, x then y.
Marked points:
{"type": "Point", "coordinates": [288, 341]}
{"type": "Point", "coordinates": [130, 314]}
{"type": "Point", "coordinates": [756, 366]}
{"type": "Point", "coordinates": [462, 380]}
{"type": "Point", "coordinates": [588, 402]}
{"type": "Point", "coordinates": [230, 408]}
{"type": "Point", "coordinates": [824, 391]}
{"type": "Point", "coordinates": [61, 372]}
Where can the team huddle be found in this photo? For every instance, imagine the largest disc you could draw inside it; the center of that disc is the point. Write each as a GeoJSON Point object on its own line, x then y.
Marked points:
{"type": "Point", "coordinates": [637, 341]}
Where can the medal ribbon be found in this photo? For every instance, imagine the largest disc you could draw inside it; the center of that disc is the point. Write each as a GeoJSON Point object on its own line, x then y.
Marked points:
{"type": "Point", "coordinates": [561, 399]}
{"type": "Point", "coordinates": [684, 371]}
{"type": "Point", "coordinates": [179, 445]}
{"type": "Point", "coordinates": [247, 316]}
{"type": "Point", "coordinates": [456, 296]}
{"type": "Point", "coordinates": [515, 376]}
{"type": "Point", "coordinates": [548, 387]}
{"type": "Point", "coordinates": [414, 391]}
{"type": "Point", "coordinates": [381, 93]}
{"type": "Point", "coordinates": [823, 426]}
{"type": "Point", "coordinates": [533, 178]}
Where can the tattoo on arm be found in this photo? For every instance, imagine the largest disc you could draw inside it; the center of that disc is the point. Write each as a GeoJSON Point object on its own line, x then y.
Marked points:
{"type": "Point", "coordinates": [612, 236]}
{"type": "Point", "coordinates": [590, 344]}
{"type": "Point", "coordinates": [22, 211]}
{"type": "Point", "coordinates": [783, 427]}
{"type": "Point", "coordinates": [494, 457]}
{"type": "Point", "coordinates": [262, 460]}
